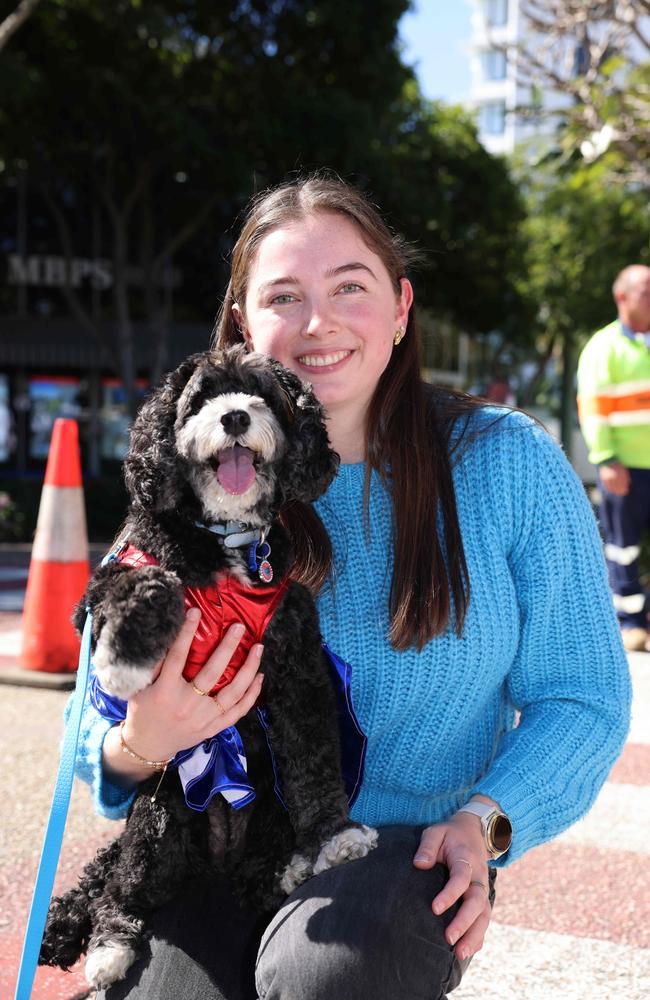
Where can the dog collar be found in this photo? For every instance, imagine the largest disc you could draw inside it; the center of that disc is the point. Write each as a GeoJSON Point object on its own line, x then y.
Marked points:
{"type": "Point", "coordinates": [234, 534]}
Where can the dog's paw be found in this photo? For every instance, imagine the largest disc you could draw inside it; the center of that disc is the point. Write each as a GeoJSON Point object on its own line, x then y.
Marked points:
{"type": "Point", "coordinates": [122, 680]}
{"type": "Point", "coordinates": [297, 871]}
{"type": "Point", "coordinates": [348, 845]}
{"type": "Point", "coordinates": [107, 964]}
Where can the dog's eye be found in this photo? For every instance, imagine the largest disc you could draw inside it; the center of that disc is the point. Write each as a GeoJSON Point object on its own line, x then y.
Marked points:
{"type": "Point", "coordinates": [194, 406]}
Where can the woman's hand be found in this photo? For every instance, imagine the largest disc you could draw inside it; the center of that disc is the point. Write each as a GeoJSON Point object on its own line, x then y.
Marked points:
{"type": "Point", "coordinates": [615, 478]}
{"type": "Point", "coordinates": [170, 715]}
{"type": "Point", "coordinates": [459, 844]}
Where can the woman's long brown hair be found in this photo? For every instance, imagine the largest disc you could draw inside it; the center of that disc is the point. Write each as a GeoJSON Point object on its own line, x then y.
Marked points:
{"type": "Point", "coordinates": [408, 430]}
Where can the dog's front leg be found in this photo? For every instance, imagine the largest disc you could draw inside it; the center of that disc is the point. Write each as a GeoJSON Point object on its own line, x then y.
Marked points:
{"type": "Point", "coordinates": [137, 613]}
{"type": "Point", "coordinates": [304, 736]}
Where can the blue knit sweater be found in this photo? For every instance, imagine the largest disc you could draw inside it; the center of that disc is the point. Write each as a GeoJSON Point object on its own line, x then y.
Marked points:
{"type": "Point", "coordinates": [540, 640]}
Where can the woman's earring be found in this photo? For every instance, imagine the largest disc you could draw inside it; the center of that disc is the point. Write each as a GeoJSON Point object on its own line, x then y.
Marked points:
{"type": "Point", "coordinates": [398, 336]}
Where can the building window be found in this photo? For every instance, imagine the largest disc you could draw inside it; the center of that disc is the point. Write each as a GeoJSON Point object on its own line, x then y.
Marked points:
{"type": "Point", "coordinates": [493, 64]}
{"type": "Point", "coordinates": [7, 434]}
{"type": "Point", "coordinates": [50, 396]}
{"type": "Point", "coordinates": [492, 118]}
{"type": "Point", "coordinates": [116, 419]}
{"type": "Point", "coordinates": [496, 12]}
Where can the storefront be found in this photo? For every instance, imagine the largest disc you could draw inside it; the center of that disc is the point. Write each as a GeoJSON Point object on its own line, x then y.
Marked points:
{"type": "Point", "coordinates": [59, 335]}
{"type": "Point", "coordinates": [52, 368]}
{"type": "Point", "coordinates": [70, 315]}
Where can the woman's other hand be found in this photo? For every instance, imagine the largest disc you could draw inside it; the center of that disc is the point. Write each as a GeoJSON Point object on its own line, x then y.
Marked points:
{"type": "Point", "coordinates": [170, 715]}
{"type": "Point", "coordinates": [459, 844]}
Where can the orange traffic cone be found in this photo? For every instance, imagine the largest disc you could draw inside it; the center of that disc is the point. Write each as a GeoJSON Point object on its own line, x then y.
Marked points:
{"type": "Point", "coordinates": [59, 567]}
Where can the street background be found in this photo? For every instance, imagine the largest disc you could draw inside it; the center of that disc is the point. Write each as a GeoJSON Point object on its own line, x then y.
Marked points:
{"type": "Point", "coordinates": [571, 920]}
{"type": "Point", "coordinates": [507, 140]}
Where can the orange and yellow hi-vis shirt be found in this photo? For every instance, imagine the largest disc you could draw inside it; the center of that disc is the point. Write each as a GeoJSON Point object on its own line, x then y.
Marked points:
{"type": "Point", "coordinates": [614, 398]}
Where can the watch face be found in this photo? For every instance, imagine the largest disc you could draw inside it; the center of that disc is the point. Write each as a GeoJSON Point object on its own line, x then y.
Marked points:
{"type": "Point", "coordinates": [501, 834]}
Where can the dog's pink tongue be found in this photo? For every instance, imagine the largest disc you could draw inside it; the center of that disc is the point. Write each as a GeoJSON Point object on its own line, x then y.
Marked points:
{"type": "Point", "coordinates": [236, 471]}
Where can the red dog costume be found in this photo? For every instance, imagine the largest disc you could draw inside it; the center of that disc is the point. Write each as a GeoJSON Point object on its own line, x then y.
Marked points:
{"type": "Point", "coordinates": [228, 602]}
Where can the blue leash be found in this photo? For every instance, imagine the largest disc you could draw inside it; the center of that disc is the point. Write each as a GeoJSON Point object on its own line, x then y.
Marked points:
{"type": "Point", "coordinates": [55, 827]}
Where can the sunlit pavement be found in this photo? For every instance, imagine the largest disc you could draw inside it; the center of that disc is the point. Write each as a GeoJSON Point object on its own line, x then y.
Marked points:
{"type": "Point", "coordinates": [571, 920]}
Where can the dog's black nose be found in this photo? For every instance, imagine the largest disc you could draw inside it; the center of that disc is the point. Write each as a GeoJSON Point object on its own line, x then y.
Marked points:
{"type": "Point", "coordinates": [236, 421]}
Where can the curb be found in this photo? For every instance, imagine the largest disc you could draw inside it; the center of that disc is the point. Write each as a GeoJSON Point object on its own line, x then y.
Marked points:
{"type": "Point", "coordinates": [20, 677]}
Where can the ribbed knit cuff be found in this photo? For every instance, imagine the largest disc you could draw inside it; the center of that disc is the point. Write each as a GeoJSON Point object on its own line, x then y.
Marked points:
{"type": "Point", "coordinates": [109, 800]}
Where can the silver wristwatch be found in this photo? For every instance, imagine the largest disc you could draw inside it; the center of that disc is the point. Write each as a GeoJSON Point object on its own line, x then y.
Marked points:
{"type": "Point", "coordinates": [497, 828]}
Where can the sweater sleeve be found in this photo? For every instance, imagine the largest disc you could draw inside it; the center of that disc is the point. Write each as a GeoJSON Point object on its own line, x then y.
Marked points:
{"type": "Point", "coordinates": [109, 800]}
{"type": "Point", "coordinates": [570, 678]}
{"type": "Point", "coordinates": [594, 400]}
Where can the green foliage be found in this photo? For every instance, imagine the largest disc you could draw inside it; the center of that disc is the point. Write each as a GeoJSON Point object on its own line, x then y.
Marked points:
{"type": "Point", "coordinates": [619, 98]}
{"type": "Point", "coordinates": [464, 210]}
{"type": "Point", "coordinates": [159, 109]}
{"type": "Point", "coordinates": [12, 519]}
{"type": "Point", "coordinates": [581, 232]}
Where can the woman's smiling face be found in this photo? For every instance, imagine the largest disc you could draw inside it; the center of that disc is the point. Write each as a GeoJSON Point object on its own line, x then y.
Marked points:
{"type": "Point", "coordinates": [322, 303]}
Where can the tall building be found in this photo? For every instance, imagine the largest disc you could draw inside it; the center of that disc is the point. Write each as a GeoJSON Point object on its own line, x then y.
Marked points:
{"type": "Point", "coordinates": [506, 109]}
{"type": "Point", "coordinates": [497, 25]}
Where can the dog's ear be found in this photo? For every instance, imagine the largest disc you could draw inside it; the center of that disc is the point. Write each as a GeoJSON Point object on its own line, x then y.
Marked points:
{"type": "Point", "coordinates": [309, 464]}
{"type": "Point", "coordinates": [152, 467]}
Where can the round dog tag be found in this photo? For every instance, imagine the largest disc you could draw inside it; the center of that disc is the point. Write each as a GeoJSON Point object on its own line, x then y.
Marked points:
{"type": "Point", "coordinates": [265, 571]}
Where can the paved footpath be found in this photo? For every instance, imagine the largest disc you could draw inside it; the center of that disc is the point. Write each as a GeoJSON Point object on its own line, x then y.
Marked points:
{"type": "Point", "coordinates": [571, 921]}
{"type": "Point", "coordinates": [572, 918]}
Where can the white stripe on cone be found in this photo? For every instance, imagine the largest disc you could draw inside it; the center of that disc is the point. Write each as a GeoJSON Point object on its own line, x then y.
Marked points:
{"type": "Point", "coordinates": [61, 528]}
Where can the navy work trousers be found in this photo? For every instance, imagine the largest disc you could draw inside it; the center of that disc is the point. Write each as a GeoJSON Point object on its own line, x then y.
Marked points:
{"type": "Point", "coordinates": [623, 519]}
{"type": "Point", "coordinates": [362, 931]}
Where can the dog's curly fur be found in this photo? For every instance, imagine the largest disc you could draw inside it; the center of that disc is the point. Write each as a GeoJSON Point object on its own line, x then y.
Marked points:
{"type": "Point", "coordinates": [170, 475]}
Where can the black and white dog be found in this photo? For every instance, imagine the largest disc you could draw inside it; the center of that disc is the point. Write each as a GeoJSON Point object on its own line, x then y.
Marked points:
{"type": "Point", "coordinates": [224, 446]}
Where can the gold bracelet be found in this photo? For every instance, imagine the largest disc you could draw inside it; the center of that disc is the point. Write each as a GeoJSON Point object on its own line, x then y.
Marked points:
{"type": "Point", "coordinates": [158, 765]}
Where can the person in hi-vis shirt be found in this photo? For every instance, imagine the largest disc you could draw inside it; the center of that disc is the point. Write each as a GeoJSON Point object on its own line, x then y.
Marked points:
{"type": "Point", "coordinates": [614, 409]}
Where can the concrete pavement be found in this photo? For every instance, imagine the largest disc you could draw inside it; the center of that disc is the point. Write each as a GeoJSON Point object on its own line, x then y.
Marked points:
{"type": "Point", "coordinates": [572, 918]}
{"type": "Point", "coordinates": [571, 921]}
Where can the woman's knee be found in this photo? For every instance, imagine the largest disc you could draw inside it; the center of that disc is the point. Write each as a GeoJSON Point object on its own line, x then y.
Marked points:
{"type": "Point", "coordinates": [364, 930]}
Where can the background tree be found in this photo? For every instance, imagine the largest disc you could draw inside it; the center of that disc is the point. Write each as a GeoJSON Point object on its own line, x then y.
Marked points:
{"type": "Point", "coordinates": [11, 22]}
{"type": "Point", "coordinates": [111, 105]}
{"type": "Point", "coordinates": [594, 55]}
{"type": "Point", "coordinates": [162, 118]}
{"type": "Point", "coordinates": [597, 54]}
{"type": "Point", "coordinates": [463, 208]}
{"type": "Point", "coordinates": [581, 231]}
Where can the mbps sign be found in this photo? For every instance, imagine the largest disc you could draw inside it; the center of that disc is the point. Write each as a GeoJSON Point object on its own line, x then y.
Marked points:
{"type": "Point", "coordinates": [57, 272]}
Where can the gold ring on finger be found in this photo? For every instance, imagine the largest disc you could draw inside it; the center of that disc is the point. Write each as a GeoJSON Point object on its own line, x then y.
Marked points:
{"type": "Point", "coordinates": [482, 885]}
{"type": "Point", "coordinates": [219, 707]}
{"type": "Point", "coordinates": [198, 690]}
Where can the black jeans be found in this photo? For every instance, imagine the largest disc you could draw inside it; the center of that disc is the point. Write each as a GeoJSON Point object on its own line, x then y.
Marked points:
{"type": "Point", "coordinates": [363, 931]}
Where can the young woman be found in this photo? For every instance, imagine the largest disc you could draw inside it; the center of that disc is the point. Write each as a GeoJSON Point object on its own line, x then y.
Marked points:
{"type": "Point", "coordinates": [464, 584]}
